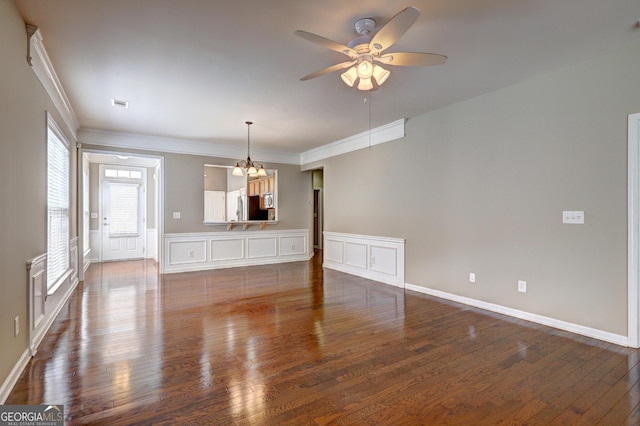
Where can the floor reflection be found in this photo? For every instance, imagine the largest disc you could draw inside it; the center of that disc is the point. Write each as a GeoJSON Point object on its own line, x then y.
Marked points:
{"type": "Point", "coordinates": [292, 343]}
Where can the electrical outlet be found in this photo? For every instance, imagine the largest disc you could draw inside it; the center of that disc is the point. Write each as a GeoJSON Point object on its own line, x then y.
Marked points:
{"type": "Point", "coordinates": [522, 286]}
{"type": "Point", "coordinates": [191, 253]}
{"type": "Point", "coordinates": [472, 277]}
{"type": "Point", "coordinates": [573, 217]}
{"type": "Point", "coordinates": [16, 326]}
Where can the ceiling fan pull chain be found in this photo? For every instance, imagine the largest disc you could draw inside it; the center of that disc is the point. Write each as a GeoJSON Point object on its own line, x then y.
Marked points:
{"type": "Point", "coordinates": [365, 99]}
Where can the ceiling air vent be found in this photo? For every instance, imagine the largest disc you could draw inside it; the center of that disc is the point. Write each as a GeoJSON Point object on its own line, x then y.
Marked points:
{"type": "Point", "coordinates": [119, 103]}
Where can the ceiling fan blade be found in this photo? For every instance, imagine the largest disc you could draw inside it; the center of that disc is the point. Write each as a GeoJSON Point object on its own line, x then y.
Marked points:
{"type": "Point", "coordinates": [393, 30]}
{"type": "Point", "coordinates": [328, 70]}
{"type": "Point", "coordinates": [325, 42]}
{"type": "Point", "coordinates": [411, 59]}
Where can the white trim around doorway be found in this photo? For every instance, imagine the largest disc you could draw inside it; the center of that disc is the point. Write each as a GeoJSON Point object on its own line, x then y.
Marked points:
{"type": "Point", "coordinates": [633, 251]}
{"type": "Point", "coordinates": [159, 229]}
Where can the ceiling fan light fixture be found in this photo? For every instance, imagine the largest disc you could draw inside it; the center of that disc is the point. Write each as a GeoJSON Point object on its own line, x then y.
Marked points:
{"type": "Point", "coordinates": [367, 50]}
{"type": "Point", "coordinates": [365, 84]}
{"type": "Point", "coordinates": [380, 74]}
{"type": "Point", "coordinates": [349, 77]}
{"type": "Point", "coordinates": [365, 69]}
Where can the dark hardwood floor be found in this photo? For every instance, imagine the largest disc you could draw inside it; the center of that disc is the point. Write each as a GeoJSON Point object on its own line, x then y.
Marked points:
{"type": "Point", "coordinates": [291, 344]}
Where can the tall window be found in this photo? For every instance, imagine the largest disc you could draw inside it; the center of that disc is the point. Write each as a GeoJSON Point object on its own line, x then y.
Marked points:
{"type": "Point", "coordinates": [58, 201]}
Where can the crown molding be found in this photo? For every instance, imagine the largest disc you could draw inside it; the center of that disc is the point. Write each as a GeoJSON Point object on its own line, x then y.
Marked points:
{"type": "Point", "coordinates": [378, 135]}
{"type": "Point", "coordinates": [43, 68]}
{"type": "Point", "coordinates": [181, 146]}
{"type": "Point", "coordinates": [45, 72]}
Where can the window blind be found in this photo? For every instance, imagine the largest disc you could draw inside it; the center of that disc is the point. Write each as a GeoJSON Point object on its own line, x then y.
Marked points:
{"type": "Point", "coordinates": [123, 208]}
{"type": "Point", "coordinates": [57, 206]}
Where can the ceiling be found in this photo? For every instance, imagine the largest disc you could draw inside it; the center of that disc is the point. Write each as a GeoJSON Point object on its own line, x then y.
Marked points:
{"type": "Point", "coordinates": [198, 69]}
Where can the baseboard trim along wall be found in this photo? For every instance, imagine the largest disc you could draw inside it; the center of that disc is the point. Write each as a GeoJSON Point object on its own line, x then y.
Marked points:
{"type": "Point", "coordinates": [44, 305]}
{"type": "Point", "coordinates": [14, 375]}
{"type": "Point", "coordinates": [375, 258]}
{"type": "Point", "coordinates": [539, 319]}
{"type": "Point", "coordinates": [382, 259]}
{"type": "Point", "coordinates": [214, 250]}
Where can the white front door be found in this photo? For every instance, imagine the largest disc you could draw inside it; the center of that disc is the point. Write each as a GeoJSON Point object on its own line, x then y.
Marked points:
{"type": "Point", "coordinates": [123, 214]}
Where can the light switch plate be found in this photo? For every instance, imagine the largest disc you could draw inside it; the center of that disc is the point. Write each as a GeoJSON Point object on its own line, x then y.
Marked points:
{"type": "Point", "coordinates": [522, 286]}
{"type": "Point", "coordinates": [176, 215]}
{"type": "Point", "coordinates": [573, 217]}
{"type": "Point", "coordinates": [94, 215]}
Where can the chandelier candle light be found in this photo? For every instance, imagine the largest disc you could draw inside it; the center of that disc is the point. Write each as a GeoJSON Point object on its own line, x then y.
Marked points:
{"type": "Point", "coordinates": [254, 169]}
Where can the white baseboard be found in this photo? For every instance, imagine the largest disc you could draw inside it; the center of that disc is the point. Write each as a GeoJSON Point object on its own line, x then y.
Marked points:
{"type": "Point", "coordinates": [31, 349]}
{"type": "Point", "coordinates": [14, 375]}
{"type": "Point", "coordinates": [538, 319]}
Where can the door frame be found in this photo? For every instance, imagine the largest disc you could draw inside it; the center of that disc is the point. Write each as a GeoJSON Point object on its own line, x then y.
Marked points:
{"type": "Point", "coordinates": [633, 230]}
{"type": "Point", "coordinates": [158, 187]}
{"type": "Point", "coordinates": [318, 226]}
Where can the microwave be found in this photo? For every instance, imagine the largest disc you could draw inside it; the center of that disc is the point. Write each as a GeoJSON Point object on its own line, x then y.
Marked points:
{"type": "Point", "coordinates": [266, 201]}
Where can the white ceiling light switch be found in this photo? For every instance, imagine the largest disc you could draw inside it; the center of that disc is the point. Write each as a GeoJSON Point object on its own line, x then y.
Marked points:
{"type": "Point", "coordinates": [176, 215]}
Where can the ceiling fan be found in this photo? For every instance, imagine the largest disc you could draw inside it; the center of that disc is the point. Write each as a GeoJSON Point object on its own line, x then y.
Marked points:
{"type": "Point", "coordinates": [366, 51]}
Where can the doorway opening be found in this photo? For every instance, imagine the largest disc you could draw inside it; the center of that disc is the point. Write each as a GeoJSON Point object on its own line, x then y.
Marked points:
{"type": "Point", "coordinates": [120, 203]}
{"type": "Point", "coordinates": [317, 186]}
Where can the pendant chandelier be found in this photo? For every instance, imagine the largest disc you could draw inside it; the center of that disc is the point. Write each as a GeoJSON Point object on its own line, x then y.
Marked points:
{"type": "Point", "coordinates": [254, 169]}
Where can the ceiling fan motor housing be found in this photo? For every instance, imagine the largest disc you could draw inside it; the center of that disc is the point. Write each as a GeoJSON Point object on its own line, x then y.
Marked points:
{"type": "Point", "coordinates": [360, 44]}
{"type": "Point", "coordinates": [364, 26]}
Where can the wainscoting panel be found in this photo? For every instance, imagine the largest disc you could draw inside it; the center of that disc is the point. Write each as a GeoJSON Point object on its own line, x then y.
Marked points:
{"type": "Point", "coordinates": [188, 251]}
{"type": "Point", "coordinates": [214, 250]}
{"type": "Point", "coordinates": [227, 249]}
{"type": "Point", "coordinates": [376, 258]}
{"type": "Point", "coordinates": [355, 254]}
{"type": "Point", "coordinates": [262, 247]}
{"type": "Point", "coordinates": [37, 270]}
{"type": "Point", "coordinates": [293, 245]}
{"type": "Point", "coordinates": [333, 250]}
{"type": "Point", "coordinates": [44, 305]}
{"type": "Point", "coordinates": [383, 259]}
